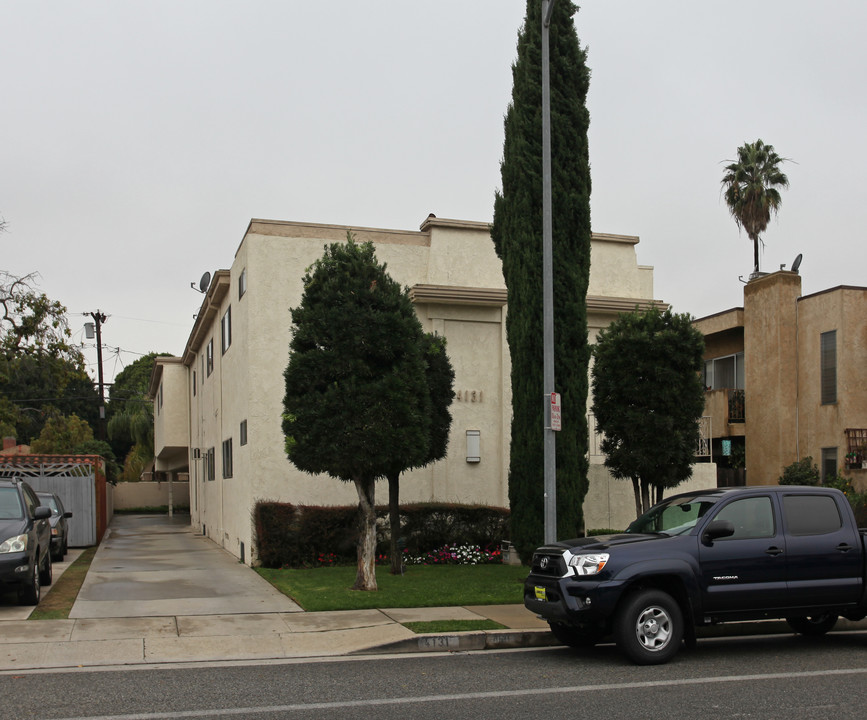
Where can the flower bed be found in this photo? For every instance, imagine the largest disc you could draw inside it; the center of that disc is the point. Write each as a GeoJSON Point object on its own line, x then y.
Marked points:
{"type": "Point", "coordinates": [457, 555]}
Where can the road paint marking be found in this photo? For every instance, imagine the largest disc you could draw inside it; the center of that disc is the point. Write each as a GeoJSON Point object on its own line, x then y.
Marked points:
{"type": "Point", "coordinates": [489, 695]}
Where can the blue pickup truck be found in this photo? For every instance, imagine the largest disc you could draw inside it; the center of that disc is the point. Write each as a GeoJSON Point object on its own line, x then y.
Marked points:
{"type": "Point", "coordinates": [700, 558]}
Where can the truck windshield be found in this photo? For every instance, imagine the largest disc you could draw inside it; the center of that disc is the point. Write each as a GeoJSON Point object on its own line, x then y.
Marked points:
{"type": "Point", "coordinates": [675, 517]}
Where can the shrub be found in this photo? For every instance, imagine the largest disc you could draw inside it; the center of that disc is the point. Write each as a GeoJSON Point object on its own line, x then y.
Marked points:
{"type": "Point", "coordinates": [276, 532]}
{"type": "Point", "coordinates": [309, 536]}
{"type": "Point", "coordinates": [858, 500]}
{"type": "Point", "coordinates": [801, 472]}
{"type": "Point", "coordinates": [428, 526]}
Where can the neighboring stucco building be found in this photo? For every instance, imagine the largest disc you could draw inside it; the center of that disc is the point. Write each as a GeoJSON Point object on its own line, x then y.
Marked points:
{"type": "Point", "coordinates": [787, 378]}
{"type": "Point", "coordinates": [217, 408]}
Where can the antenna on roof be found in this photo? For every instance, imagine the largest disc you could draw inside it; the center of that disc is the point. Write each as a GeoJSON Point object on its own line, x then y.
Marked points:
{"type": "Point", "coordinates": [797, 263]}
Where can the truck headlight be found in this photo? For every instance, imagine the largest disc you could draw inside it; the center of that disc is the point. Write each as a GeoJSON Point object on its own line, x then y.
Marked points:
{"type": "Point", "coordinates": [588, 564]}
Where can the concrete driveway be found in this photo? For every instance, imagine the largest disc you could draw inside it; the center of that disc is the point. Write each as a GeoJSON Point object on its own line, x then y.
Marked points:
{"type": "Point", "coordinates": [156, 566]}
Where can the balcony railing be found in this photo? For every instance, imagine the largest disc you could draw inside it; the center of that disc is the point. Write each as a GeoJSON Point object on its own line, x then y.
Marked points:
{"type": "Point", "coordinates": [703, 448]}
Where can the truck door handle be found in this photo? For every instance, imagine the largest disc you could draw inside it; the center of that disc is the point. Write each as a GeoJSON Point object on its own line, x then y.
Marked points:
{"type": "Point", "coordinates": [844, 547]}
{"type": "Point", "coordinates": [774, 551]}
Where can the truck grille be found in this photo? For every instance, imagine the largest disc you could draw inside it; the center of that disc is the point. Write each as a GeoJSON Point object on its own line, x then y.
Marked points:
{"type": "Point", "coordinates": [551, 564]}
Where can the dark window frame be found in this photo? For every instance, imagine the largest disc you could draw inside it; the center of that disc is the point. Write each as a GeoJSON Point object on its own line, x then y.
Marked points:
{"type": "Point", "coordinates": [828, 367]}
{"type": "Point", "coordinates": [209, 356]}
{"type": "Point", "coordinates": [227, 458]}
{"type": "Point", "coordinates": [226, 330]}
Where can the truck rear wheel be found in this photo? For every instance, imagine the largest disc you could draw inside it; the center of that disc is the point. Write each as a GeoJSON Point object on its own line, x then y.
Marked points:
{"type": "Point", "coordinates": [814, 625]}
{"type": "Point", "coordinates": [649, 627]}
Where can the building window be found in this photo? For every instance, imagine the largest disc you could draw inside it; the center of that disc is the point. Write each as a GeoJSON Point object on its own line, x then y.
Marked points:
{"type": "Point", "coordinates": [856, 447]}
{"type": "Point", "coordinates": [243, 432]}
{"type": "Point", "coordinates": [227, 458]}
{"type": "Point", "coordinates": [194, 383]}
{"type": "Point", "coordinates": [209, 356]}
{"type": "Point", "coordinates": [210, 469]}
{"type": "Point", "coordinates": [226, 330]}
{"type": "Point", "coordinates": [160, 399]}
{"type": "Point", "coordinates": [242, 283]}
{"type": "Point", "coordinates": [829, 367]}
{"type": "Point", "coordinates": [829, 464]}
{"type": "Point", "coordinates": [725, 373]}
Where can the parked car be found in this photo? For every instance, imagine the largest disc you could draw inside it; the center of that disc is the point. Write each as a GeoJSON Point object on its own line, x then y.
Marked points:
{"type": "Point", "coordinates": [25, 541]}
{"type": "Point", "coordinates": [59, 526]}
{"type": "Point", "coordinates": [715, 556]}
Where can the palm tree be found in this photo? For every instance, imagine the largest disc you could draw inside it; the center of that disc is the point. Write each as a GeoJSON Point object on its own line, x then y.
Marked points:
{"type": "Point", "coordinates": [751, 189]}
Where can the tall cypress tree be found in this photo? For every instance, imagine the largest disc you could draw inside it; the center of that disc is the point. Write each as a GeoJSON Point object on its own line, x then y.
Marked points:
{"type": "Point", "coordinates": [517, 236]}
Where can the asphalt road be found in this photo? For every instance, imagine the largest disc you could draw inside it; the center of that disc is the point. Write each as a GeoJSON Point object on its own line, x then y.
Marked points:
{"type": "Point", "coordinates": [771, 677]}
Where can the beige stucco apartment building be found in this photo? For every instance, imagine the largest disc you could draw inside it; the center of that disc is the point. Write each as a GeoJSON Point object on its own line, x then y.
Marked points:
{"type": "Point", "coordinates": [218, 407]}
{"type": "Point", "coordinates": [786, 378]}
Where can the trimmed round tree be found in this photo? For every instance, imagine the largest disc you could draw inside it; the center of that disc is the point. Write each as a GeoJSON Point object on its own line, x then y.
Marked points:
{"type": "Point", "coordinates": [356, 398]}
{"type": "Point", "coordinates": [440, 376]}
{"type": "Point", "coordinates": [648, 397]}
{"type": "Point", "coordinates": [517, 236]}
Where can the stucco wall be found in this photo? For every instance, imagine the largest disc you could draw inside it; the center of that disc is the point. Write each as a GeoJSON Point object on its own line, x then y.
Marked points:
{"type": "Point", "coordinates": [823, 426]}
{"type": "Point", "coordinates": [456, 257]}
{"type": "Point", "coordinates": [770, 339]}
{"type": "Point", "coordinates": [610, 503]}
{"type": "Point", "coordinates": [128, 495]}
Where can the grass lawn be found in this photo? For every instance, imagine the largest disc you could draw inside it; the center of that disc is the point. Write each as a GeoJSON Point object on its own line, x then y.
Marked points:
{"type": "Point", "coordinates": [327, 588]}
{"type": "Point", "coordinates": [57, 604]}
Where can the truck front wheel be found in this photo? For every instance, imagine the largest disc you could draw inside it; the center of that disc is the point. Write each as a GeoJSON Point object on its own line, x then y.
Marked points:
{"type": "Point", "coordinates": [649, 627]}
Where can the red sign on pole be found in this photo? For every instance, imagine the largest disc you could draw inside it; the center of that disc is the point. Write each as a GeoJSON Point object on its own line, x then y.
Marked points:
{"type": "Point", "coordinates": [556, 423]}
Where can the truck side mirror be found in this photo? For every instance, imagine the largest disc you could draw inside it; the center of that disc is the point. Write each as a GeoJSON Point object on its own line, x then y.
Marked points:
{"type": "Point", "coordinates": [717, 529]}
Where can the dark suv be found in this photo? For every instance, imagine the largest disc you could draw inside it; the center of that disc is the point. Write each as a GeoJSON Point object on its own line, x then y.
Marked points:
{"type": "Point", "coordinates": [25, 541]}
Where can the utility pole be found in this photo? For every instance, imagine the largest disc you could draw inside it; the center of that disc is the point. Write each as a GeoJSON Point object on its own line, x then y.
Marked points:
{"type": "Point", "coordinates": [98, 320]}
{"type": "Point", "coordinates": [550, 446]}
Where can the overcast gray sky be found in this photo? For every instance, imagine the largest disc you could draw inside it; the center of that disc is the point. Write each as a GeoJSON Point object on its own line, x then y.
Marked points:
{"type": "Point", "coordinates": [137, 139]}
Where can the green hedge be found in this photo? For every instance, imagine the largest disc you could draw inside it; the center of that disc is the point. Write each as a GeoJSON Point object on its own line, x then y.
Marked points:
{"type": "Point", "coordinates": [305, 535]}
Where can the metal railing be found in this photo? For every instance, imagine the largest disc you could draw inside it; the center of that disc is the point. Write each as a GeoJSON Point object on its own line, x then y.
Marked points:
{"type": "Point", "coordinates": [703, 449]}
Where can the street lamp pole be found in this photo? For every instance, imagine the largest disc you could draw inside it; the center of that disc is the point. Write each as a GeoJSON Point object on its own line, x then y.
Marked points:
{"type": "Point", "coordinates": [550, 446]}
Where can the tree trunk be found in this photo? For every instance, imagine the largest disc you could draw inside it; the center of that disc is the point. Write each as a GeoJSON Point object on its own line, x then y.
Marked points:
{"type": "Point", "coordinates": [645, 496]}
{"type": "Point", "coordinates": [394, 552]}
{"type": "Point", "coordinates": [365, 578]}
{"type": "Point", "coordinates": [756, 252]}
{"type": "Point", "coordinates": [636, 488]}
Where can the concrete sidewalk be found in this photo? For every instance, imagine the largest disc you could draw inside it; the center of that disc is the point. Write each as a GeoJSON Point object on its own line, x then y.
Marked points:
{"type": "Point", "coordinates": [91, 642]}
{"type": "Point", "coordinates": [157, 592]}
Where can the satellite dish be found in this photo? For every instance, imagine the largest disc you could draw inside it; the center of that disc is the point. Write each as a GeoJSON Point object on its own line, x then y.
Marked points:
{"type": "Point", "coordinates": [797, 263]}
{"type": "Point", "coordinates": [204, 282]}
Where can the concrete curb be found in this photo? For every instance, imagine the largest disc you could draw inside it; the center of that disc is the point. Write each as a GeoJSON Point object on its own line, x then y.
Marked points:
{"type": "Point", "coordinates": [476, 640]}
{"type": "Point", "coordinates": [466, 641]}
